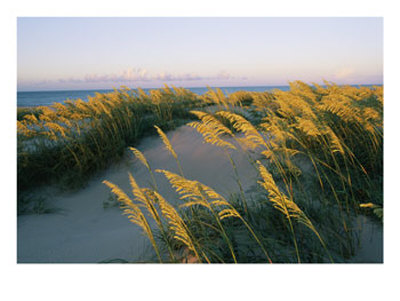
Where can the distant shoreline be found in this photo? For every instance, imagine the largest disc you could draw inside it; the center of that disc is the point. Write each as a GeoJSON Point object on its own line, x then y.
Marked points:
{"type": "Point", "coordinates": [155, 88]}
{"type": "Point", "coordinates": [29, 99]}
{"type": "Point", "coordinates": [202, 87]}
{"type": "Point", "coordinates": [45, 98]}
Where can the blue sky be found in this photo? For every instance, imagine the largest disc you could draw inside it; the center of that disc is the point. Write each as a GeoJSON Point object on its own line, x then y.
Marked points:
{"type": "Point", "coordinates": [96, 53]}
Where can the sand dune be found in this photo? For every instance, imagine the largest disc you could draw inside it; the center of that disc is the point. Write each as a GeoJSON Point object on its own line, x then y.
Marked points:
{"type": "Point", "coordinates": [84, 231]}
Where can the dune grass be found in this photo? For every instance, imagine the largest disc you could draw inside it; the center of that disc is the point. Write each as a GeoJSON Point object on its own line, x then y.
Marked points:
{"type": "Point", "coordinates": [319, 153]}
{"type": "Point", "coordinates": [66, 143]}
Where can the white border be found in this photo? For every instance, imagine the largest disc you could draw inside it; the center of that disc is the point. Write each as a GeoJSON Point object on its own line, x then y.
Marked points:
{"type": "Point", "coordinates": [151, 282]}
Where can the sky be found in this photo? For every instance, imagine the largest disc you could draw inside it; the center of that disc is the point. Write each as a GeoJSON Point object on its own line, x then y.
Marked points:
{"type": "Point", "coordinates": [103, 53]}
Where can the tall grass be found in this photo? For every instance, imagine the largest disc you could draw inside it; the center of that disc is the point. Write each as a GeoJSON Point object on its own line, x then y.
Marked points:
{"type": "Point", "coordinates": [318, 151]}
{"type": "Point", "coordinates": [69, 142]}
{"type": "Point", "coordinates": [319, 154]}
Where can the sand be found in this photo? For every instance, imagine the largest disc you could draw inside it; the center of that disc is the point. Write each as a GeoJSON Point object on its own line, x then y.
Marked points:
{"type": "Point", "coordinates": [370, 249]}
{"type": "Point", "coordinates": [85, 232]}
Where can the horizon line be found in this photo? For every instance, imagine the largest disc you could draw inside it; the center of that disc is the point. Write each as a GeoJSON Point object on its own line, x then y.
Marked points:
{"type": "Point", "coordinates": [154, 88]}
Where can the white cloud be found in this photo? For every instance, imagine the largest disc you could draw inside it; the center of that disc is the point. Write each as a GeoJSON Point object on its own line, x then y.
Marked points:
{"type": "Point", "coordinates": [131, 76]}
{"type": "Point", "coordinates": [344, 73]}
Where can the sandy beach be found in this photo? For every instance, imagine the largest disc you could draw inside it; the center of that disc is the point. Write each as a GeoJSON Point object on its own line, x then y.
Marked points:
{"type": "Point", "coordinates": [83, 231]}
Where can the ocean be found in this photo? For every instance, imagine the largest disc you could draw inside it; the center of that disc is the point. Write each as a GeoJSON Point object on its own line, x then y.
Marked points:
{"type": "Point", "coordinates": [45, 98]}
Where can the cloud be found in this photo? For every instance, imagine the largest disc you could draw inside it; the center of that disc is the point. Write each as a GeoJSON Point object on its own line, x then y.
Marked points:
{"type": "Point", "coordinates": [344, 73]}
{"type": "Point", "coordinates": [132, 76]}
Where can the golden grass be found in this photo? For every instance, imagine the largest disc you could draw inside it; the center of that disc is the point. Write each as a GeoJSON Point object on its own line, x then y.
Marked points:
{"type": "Point", "coordinates": [328, 126]}
{"type": "Point", "coordinates": [336, 130]}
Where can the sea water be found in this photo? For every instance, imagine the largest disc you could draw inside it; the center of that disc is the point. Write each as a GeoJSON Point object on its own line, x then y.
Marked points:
{"type": "Point", "coordinates": [45, 98]}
